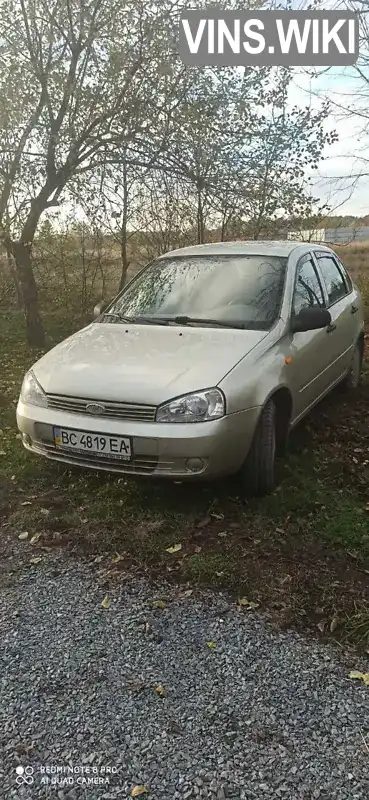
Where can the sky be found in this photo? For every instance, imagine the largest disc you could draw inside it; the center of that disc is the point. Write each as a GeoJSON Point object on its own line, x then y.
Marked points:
{"type": "Point", "coordinates": [337, 181]}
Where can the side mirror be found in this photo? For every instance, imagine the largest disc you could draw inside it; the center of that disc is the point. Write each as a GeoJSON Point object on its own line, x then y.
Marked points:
{"type": "Point", "coordinates": [310, 318]}
{"type": "Point", "coordinates": [100, 307]}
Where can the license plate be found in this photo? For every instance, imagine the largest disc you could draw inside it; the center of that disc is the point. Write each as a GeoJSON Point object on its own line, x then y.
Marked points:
{"type": "Point", "coordinates": [98, 443]}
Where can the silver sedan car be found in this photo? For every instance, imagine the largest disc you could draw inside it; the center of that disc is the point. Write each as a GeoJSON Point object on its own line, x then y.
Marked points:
{"type": "Point", "coordinates": [201, 366]}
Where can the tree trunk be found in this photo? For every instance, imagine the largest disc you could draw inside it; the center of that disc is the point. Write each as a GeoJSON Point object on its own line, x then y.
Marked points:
{"type": "Point", "coordinates": [11, 264]}
{"type": "Point", "coordinates": [123, 231]}
{"type": "Point", "coordinates": [13, 273]}
{"type": "Point", "coordinates": [125, 262]}
{"type": "Point", "coordinates": [34, 327]}
{"type": "Point", "coordinates": [200, 219]}
{"type": "Point", "coordinates": [223, 230]}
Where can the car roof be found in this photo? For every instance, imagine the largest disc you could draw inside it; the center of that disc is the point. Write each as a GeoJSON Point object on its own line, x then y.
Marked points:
{"type": "Point", "coordinates": [282, 248]}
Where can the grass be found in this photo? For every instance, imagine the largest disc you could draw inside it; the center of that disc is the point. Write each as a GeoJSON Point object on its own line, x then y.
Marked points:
{"type": "Point", "coordinates": [302, 553]}
{"type": "Point", "coordinates": [355, 257]}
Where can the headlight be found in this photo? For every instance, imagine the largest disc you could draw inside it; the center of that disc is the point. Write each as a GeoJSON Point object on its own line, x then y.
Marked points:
{"type": "Point", "coordinates": [31, 391]}
{"type": "Point", "coordinates": [195, 407]}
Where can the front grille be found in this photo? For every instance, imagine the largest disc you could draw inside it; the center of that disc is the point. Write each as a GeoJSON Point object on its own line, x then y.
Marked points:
{"type": "Point", "coordinates": [77, 405]}
{"type": "Point", "coordinates": [139, 465]}
{"type": "Point", "coordinates": [142, 465]}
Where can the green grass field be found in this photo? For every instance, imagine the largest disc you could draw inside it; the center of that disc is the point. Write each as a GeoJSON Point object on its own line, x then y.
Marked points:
{"type": "Point", "coordinates": [301, 554]}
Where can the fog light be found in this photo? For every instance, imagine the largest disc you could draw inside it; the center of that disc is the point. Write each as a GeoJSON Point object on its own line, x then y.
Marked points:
{"type": "Point", "coordinates": [26, 439]}
{"type": "Point", "coordinates": [195, 464]}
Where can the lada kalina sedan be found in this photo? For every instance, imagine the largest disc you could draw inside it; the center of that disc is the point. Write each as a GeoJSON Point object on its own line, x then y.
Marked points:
{"type": "Point", "coordinates": [201, 366]}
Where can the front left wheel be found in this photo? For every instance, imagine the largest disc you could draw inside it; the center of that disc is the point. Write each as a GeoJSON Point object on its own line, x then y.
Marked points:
{"type": "Point", "coordinates": [258, 472]}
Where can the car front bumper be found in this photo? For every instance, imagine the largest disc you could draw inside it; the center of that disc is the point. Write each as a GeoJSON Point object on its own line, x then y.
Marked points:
{"type": "Point", "coordinates": [173, 450]}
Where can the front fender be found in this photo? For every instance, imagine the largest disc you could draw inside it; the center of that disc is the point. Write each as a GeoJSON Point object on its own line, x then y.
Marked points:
{"type": "Point", "coordinates": [255, 379]}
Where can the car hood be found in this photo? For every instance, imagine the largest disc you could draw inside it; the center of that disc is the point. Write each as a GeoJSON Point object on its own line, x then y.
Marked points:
{"type": "Point", "coordinates": [142, 363]}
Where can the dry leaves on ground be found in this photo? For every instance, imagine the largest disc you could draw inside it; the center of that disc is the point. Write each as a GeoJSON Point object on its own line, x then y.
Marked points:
{"type": "Point", "coordinates": [158, 604]}
{"type": "Point", "coordinates": [174, 549]}
{"type": "Point", "coordinates": [137, 791]}
{"type": "Point", "coordinates": [249, 604]}
{"type": "Point", "coordinates": [159, 689]}
{"type": "Point", "coordinates": [360, 676]}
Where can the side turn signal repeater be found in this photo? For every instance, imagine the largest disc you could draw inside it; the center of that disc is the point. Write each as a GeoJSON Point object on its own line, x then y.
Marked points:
{"type": "Point", "coordinates": [288, 360]}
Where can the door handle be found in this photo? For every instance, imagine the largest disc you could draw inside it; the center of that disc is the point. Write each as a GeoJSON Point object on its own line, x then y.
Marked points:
{"type": "Point", "coordinates": [331, 327]}
{"type": "Point", "coordinates": [354, 309]}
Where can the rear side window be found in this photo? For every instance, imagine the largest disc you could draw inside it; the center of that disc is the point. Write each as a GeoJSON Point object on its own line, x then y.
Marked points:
{"type": "Point", "coordinates": [333, 278]}
{"type": "Point", "coordinates": [308, 291]}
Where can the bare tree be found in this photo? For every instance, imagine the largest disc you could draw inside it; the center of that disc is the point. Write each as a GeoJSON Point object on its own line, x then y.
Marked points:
{"type": "Point", "coordinates": [78, 78]}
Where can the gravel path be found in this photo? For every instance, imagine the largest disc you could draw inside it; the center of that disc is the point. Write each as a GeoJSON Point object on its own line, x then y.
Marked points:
{"type": "Point", "coordinates": [264, 714]}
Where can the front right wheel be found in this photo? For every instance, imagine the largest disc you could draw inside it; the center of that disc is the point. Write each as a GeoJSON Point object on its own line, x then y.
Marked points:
{"type": "Point", "coordinates": [258, 472]}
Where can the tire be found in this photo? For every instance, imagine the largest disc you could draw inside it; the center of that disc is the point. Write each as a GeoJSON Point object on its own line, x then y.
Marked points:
{"type": "Point", "coordinates": [258, 472]}
{"type": "Point", "coordinates": [353, 378]}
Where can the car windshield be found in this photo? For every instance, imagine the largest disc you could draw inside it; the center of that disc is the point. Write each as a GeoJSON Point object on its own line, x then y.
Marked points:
{"type": "Point", "coordinates": [234, 291]}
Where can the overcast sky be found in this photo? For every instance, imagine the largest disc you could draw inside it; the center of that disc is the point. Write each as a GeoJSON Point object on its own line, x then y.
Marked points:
{"type": "Point", "coordinates": [338, 182]}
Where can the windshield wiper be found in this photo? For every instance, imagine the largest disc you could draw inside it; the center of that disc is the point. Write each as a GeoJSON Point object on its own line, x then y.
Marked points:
{"type": "Point", "coordinates": [152, 320]}
{"type": "Point", "coordinates": [176, 321]}
{"type": "Point", "coordinates": [201, 320]}
{"type": "Point", "coordinates": [118, 316]}
{"type": "Point", "coordinates": [138, 320]}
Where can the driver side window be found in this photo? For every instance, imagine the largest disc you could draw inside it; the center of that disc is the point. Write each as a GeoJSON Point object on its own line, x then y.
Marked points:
{"type": "Point", "coordinates": [308, 291]}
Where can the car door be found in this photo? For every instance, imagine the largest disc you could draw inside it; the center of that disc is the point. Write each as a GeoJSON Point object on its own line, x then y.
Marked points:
{"type": "Point", "coordinates": [342, 303]}
{"type": "Point", "coordinates": [310, 350]}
